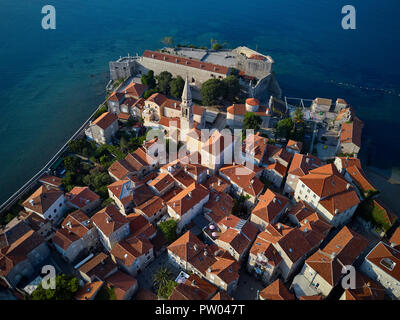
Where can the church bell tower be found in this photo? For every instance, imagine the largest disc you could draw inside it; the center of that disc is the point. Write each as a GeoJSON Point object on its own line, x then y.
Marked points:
{"type": "Point", "coordinates": [186, 108]}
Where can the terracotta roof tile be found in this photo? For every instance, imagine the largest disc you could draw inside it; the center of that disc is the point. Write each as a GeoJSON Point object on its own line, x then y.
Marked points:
{"type": "Point", "coordinates": [186, 62]}
{"type": "Point", "coordinates": [109, 220]}
{"type": "Point", "coordinates": [270, 204]}
{"type": "Point", "coordinates": [105, 120]}
{"type": "Point", "coordinates": [276, 291]}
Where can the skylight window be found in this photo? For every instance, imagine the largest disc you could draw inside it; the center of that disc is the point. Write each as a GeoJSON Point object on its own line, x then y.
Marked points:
{"type": "Point", "coordinates": [388, 263]}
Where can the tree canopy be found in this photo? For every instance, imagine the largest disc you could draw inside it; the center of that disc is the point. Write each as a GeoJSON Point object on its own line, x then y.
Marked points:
{"type": "Point", "coordinates": [148, 79]}
{"type": "Point", "coordinates": [284, 128]}
{"type": "Point", "coordinates": [66, 288]}
{"type": "Point", "coordinates": [168, 228]}
{"type": "Point", "coordinates": [168, 41]}
{"type": "Point", "coordinates": [163, 82]}
{"type": "Point", "coordinates": [211, 91]}
{"type": "Point", "coordinates": [252, 121]}
{"type": "Point", "coordinates": [176, 86]}
{"type": "Point", "coordinates": [232, 87]}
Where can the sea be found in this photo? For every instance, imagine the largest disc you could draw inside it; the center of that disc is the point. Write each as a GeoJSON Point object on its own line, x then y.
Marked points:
{"type": "Point", "coordinates": [52, 80]}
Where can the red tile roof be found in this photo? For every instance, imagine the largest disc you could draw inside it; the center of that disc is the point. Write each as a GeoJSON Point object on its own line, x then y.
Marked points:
{"type": "Point", "coordinates": [89, 290]}
{"type": "Point", "coordinates": [360, 179]}
{"type": "Point", "coordinates": [386, 258]}
{"type": "Point", "coordinates": [188, 198]}
{"type": "Point", "coordinates": [131, 248]}
{"type": "Point", "coordinates": [351, 132]}
{"type": "Point", "coordinates": [81, 196]}
{"type": "Point", "coordinates": [51, 180]}
{"type": "Point", "coordinates": [325, 181]}
{"type": "Point", "coordinates": [366, 289]}
{"type": "Point", "coordinates": [270, 204]}
{"type": "Point", "coordinates": [109, 220]}
{"type": "Point", "coordinates": [294, 145]}
{"type": "Point", "coordinates": [276, 291]}
{"type": "Point", "coordinates": [343, 249]}
{"type": "Point", "coordinates": [244, 178]}
{"type": "Point", "coordinates": [152, 206]}
{"type": "Point", "coordinates": [105, 120]}
{"type": "Point", "coordinates": [135, 89]}
{"type": "Point", "coordinates": [219, 206]}
{"type": "Point", "coordinates": [43, 198]}
{"type": "Point", "coordinates": [187, 246]}
{"type": "Point", "coordinates": [121, 282]}
{"type": "Point", "coordinates": [186, 62]}
{"type": "Point", "coordinates": [194, 288]}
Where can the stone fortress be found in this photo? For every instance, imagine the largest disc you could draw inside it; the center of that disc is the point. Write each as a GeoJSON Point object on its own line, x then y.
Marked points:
{"type": "Point", "coordinates": [253, 68]}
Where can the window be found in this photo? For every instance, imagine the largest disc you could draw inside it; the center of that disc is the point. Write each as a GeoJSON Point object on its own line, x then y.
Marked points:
{"type": "Point", "coordinates": [55, 210]}
{"type": "Point", "coordinates": [60, 205]}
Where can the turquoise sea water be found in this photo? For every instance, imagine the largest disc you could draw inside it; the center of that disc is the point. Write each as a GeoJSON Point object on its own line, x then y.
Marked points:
{"type": "Point", "coordinates": [51, 81]}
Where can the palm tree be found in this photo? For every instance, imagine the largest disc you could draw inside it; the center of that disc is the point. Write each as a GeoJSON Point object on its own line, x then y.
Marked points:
{"type": "Point", "coordinates": [162, 277]}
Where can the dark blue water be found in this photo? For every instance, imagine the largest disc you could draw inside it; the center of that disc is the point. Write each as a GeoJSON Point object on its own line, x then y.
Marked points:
{"type": "Point", "coordinates": [51, 81]}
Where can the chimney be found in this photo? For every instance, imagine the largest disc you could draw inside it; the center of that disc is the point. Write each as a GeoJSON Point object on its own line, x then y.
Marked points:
{"type": "Point", "coordinates": [274, 200]}
{"type": "Point", "coordinates": [215, 68]}
{"type": "Point", "coordinates": [336, 211]}
{"type": "Point", "coordinates": [307, 160]}
{"type": "Point", "coordinates": [196, 247]}
{"type": "Point", "coordinates": [165, 58]}
{"type": "Point", "coordinates": [348, 186]}
{"type": "Point", "coordinates": [190, 194]}
{"type": "Point", "coordinates": [32, 202]}
{"type": "Point", "coordinates": [152, 55]}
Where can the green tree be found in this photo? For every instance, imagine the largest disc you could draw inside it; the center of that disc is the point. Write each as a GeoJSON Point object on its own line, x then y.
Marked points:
{"type": "Point", "coordinates": [103, 108]}
{"type": "Point", "coordinates": [284, 128]}
{"type": "Point", "coordinates": [165, 291]}
{"type": "Point", "coordinates": [252, 121]}
{"type": "Point", "coordinates": [232, 87]}
{"type": "Point", "coordinates": [149, 92]}
{"type": "Point", "coordinates": [176, 86]}
{"type": "Point", "coordinates": [161, 277]}
{"type": "Point", "coordinates": [124, 144]}
{"type": "Point", "coordinates": [216, 46]}
{"type": "Point", "coordinates": [106, 293]}
{"type": "Point", "coordinates": [148, 79]}
{"type": "Point", "coordinates": [298, 115]}
{"type": "Point", "coordinates": [163, 82]}
{"type": "Point", "coordinates": [66, 288]}
{"type": "Point", "coordinates": [211, 91]}
{"type": "Point", "coordinates": [168, 41]}
{"type": "Point", "coordinates": [71, 163]}
{"type": "Point", "coordinates": [168, 228]}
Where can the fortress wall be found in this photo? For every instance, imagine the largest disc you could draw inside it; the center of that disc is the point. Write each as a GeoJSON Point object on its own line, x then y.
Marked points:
{"type": "Point", "coordinates": [266, 87]}
{"type": "Point", "coordinates": [145, 64]}
{"type": "Point", "coordinates": [122, 68]}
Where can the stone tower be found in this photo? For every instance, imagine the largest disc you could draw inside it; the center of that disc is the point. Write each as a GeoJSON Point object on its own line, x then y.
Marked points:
{"type": "Point", "coordinates": [186, 108]}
